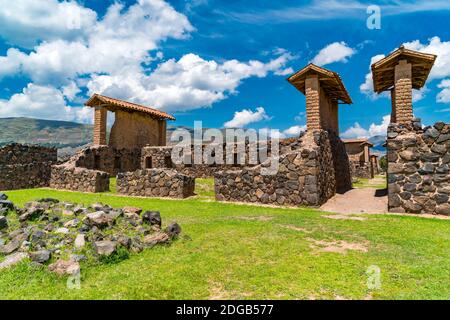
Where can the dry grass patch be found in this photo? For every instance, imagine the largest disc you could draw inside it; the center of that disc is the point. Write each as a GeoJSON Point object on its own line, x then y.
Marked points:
{"type": "Point", "coordinates": [344, 217]}
{"type": "Point", "coordinates": [339, 246]}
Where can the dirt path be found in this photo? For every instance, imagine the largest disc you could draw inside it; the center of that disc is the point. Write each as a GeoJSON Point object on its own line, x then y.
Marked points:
{"type": "Point", "coordinates": [367, 200]}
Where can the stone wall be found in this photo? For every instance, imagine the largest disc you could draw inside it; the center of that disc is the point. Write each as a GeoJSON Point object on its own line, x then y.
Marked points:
{"type": "Point", "coordinates": [68, 177]}
{"type": "Point", "coordinates": [23, 167]}
{"type": "Point", "coordinates": [107, 159]}
{"type": "Point", "coordinates": [306, 176]}
{"type": "Point", "coordinates": [341, 164]}
{"type": "Point", "coordinates": [418, 168]}
{"type": "Point", "coordinates": [361, 169]}
{"type": "Point", "coordinates": [155, 183]}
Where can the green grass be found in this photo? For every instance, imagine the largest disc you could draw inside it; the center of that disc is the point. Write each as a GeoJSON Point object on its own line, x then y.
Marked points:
{"type": "Point", "coordinates": [248, 252]}
{"type": "Point", "coordinates": [379, 182]}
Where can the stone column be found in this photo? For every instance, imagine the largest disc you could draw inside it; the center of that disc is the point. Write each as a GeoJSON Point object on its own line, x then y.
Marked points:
{"type": "Point", "coordinates": [335, 117]}
{"type": "Point", "coordinates": [366, 153]}
{"type": "Point", "coordinates": [312, 87]}
{"type": "Point", "coordinates": [403, 92]}
{"type": "Point", "coordinates": [100, 126]}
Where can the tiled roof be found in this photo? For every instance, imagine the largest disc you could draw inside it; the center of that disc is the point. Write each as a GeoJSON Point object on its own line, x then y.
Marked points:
{"type": "Point", "coordinates": [361, 141]}
{"type": "Point", "coordinates": [98, 99]}
{"type": "Point", "coordinates": [330, 81]}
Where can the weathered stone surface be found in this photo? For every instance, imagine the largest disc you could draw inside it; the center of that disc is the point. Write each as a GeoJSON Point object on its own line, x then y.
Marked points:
{"type": "Point", "coordinates": [10, 247]}
{"type": "Point", "coordinates": [40, 256]}
{"type": "Point", "coordinates": [157, 238]}
{"type": "Point", "coordinates": [105, 248]}
{"type": "Point", "coordinates": [152, 217]}
{"type": "Point", "coordinates": [64, 267]}
{"type": "Point", "coordinates": [12, 259]}
{"type": "Point", "coordinates": [79, 241]}
{"type": "Point", "coordinates": [173, 229]}
{"type": "Point", "coordinates": [23, 166]}
{"type": "Point", "coordinates": [424, 157]}
{"type": "Point", "coordinates": [99, 219]}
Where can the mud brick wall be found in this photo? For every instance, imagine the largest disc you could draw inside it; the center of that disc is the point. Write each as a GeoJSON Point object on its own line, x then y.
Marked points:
{"type": "Point", "coordinates": [23, 166]}
{"type": "Point", "coordinates": [306, 176]}
{"type": "Point", "coordinates": [342, 172]}
{"type": "Point", "coordinates": [68, 177]}
{"type": "Point", "coordinates": [418, 168]}
{"type": "Point", "coordinates": [155, 183]}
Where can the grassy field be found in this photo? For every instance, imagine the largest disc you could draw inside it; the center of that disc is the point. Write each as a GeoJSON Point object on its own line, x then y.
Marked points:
{"type": "Point", "coordinates": [253, 252]}
{"type": "Point", "coordinates": [379, 182]}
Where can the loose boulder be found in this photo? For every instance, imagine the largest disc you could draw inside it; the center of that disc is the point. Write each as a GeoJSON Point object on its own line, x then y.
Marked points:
{"type": "Point", "coordinates": [152, 217]}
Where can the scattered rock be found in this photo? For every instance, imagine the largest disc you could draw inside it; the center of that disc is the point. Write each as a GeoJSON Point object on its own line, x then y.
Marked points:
{"type": "Point", "coordinates": [79, 241]}
{"type": "Point", "coordinates": [10, 247]}
{"type": "Point", "coordinates": [99, 219]}
{"type": "Point", "coordinates": [63, 267]}
{"type": "Point", "coordinates": [105, 248]}
{"type": "Point", "coordinates": [40, 256]}
{"type": "Point", "coordinates": [3, 196]}
{"type": "Point", "coordinates": [12, 259]}
{"type": "Point", "coordinates": [152, 217]}
{"type": "Point", "coordinates": [154, 239]}
{"type": "Point", "coordinates": [62, 231]}
{"type": "Point", "coordinates": [173, 229]}
{"type": "Point", "coordinates": [6, 204]}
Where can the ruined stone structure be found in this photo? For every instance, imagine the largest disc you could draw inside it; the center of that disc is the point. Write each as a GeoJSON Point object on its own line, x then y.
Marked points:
{"type": "Point", "coordinates": [358, 151]}
{"type": "Point", "coordinates": [418, 168]}
{"type": "Point", "coordinates": [23, 167]}
{"type": "Point", "coordinates": [156, 183]}
{"type": "Point", "coordinates": [375, 164]}
{"type": "Point", "coordinates": [69, 177]}
{"type": "Point", "coordinates": [314, 167]}
{"type": "Point", "coordinates": [135, 126]}
{"type": "Point", "coordinates": [418, 172]}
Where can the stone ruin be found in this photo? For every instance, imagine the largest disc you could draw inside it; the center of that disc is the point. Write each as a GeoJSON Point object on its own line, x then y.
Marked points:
{"type": "Point", "coordinates": [61, 236]}
{"type": "Point", "coordinates": [23, 167]}
{"type": "Point", "coordinates": [317, 165]}
{"type": "Point", "coordinates": [418, 158]}
{"type": "Point", "coordinates": [361, 164]}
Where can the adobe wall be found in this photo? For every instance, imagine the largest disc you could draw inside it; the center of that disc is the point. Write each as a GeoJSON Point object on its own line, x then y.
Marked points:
{"type": "Point", "coordinates": [306, 176]}
{"type": "Point", "coordinates": [155, 183]}
{"type": "Point", "coordinates": [23, 166]}
{"type": "Point", "coordinates": [418, 168]}
{"type": "Point", "coordinates": [133, 130]}
{"type": "Point", "coordinates": [361, 169]}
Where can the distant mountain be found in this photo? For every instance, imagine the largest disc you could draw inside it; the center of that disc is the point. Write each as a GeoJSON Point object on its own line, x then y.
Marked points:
{"type": "Point", "coordinates": [66, 136]}
{"type": "Point", "coordinates": [378, 142]}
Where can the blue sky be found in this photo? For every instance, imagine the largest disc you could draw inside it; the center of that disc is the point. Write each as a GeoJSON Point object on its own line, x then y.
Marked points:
{"type": "Point", "coordinates": [223, 62]}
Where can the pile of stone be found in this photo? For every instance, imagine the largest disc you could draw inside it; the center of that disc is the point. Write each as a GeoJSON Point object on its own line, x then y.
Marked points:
{"type": "Point", "coordinates": [61, 235]}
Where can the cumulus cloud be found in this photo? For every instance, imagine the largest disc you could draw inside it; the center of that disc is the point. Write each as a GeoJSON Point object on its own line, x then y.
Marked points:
{"type": "Point", "coordinates": [42, 102]}
{"type": "Point", "coordinates": [294, 130]}
{"type": "Point", "coordinates": [356, 131]}
{"type": "Point", "coordinates": [444, 95]}
{"type": "Point", "coordinates": [367, 86]}
{"type": "Point", "coordinates": [26, 22]}
{"type": "Point", "coordinates": [245, 117]}
{"type": "Point", "coordinates": [112, 55]}
{"type": "Point", "coordinates": [334, 52]}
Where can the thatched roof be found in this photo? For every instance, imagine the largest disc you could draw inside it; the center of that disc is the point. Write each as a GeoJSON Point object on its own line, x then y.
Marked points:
{"type": "Point", "coordinates": [114, 104]}
{"type": "Point", "coordinates": [330, 81]}
{"type": "Point", "coordinates": [383, 71]}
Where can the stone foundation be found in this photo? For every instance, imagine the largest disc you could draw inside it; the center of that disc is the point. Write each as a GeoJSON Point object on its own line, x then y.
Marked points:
{"type": "Point", "coordinates": [155, 183]}
{"type": "Point", "coordinates": [68, 177]}
{"type": "Point", "coordinates": [23, 167]}
{"type": "Point", "coordinates": [418, 168]}
{"type": "Point", "coordinates": [306, 176]}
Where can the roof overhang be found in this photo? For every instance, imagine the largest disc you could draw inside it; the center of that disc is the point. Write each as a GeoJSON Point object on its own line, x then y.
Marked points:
{"type": "Point", "coordinates": [113, 104]}
{"type": "Point", "coordinates": [383, 71]}
{"type": "Point", "coordinates": [330, 82]}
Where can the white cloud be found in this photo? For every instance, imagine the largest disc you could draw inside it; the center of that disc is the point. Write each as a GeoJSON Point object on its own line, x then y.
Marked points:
{"type": "Point", "coordinates": [294, 130]}
{"type": "Point", "coordinates": [26, 22]}
{"type": "Point", "coordinates": [367, 87]}
{"type": "Point", "coordinates": [189, 83]}
{"type": "Point", "coordinates": [356, 131]}
{"type": "Point", "coordinates": [444, 95]}
{"type": "Point", "coordinates": [111, 55]}
{"type": "Point", "coordinates": [245, 117]}
{"type": "Point", "coordinates": [334, 52]}
{"type": "Point", "coordinates": [42, 102]}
